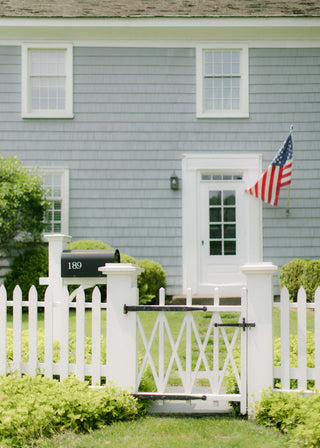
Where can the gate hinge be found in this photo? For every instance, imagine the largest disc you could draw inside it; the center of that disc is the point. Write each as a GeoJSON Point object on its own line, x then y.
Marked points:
{"type": "Point", "coordinates": [244, 325]}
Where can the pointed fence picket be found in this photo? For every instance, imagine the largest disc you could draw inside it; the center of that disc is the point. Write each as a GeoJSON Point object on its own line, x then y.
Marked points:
{"type": "Point", "coordinates": [27, 360]}
{"type": "Point", "coordinates": [298, 377]}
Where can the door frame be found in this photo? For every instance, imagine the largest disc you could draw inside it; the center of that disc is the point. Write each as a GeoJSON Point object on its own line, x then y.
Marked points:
{"type": "Point", "coordinates": [193, 165]}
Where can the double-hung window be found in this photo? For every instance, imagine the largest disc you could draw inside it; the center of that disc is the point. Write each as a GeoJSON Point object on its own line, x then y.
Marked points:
{"type": "Point", "coordinates": [47, 81]}
{"type": "Point", "coordinates": [56, 184]}
{"type": "Point", "coordinates": [222, 82]}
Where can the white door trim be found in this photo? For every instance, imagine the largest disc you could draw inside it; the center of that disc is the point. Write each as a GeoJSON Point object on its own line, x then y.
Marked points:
{"type": "Point", "coordinates": [192, 167]}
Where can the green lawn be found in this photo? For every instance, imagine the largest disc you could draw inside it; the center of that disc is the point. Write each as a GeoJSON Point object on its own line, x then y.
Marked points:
{"type": "Point", "coordinates": [175, 432]}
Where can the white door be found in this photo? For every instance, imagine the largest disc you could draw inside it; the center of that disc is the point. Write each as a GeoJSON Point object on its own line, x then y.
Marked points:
{"type": "Point", "coordinates": [222, 231]}
{"type": "Point", "coordinates": [222, 225]}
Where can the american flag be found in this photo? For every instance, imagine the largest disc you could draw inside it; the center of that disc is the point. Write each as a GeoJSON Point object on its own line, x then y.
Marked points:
{"type": "Point", "coordinates": [277, 175]}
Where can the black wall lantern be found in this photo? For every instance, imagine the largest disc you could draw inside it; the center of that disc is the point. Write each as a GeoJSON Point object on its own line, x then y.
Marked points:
{"type": "Point", "coordinates": [174, 182]}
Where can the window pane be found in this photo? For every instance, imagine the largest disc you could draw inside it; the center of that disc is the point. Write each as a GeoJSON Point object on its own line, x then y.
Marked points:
{"type": "Point", "coordinates": [215, 248]}
{"type": "Point", "coordinates": [47, 79]}
{"type": "Point", "coordinates": [215, 215]}
{"type": "Point", "coordinates": [229, 247]}
{"type": "Point", "coordinates": [229, 231]}
{"type": "Point", "coordinates": [215, 197]}
{"type": "Point", "coordinates": [229, 197]}
{"type": "Point", "coordinates": [229, 215]}
{"type": "Point", "coordinates": [216, 231]}
{"type": "Point", "coordinates": [53, 185]}
{"type": "Point", "coordinates": [56, 227]}
{"type": "Point", "coordinates": [222, 67]}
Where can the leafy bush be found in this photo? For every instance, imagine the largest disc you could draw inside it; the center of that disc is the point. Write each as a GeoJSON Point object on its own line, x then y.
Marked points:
{"type": "Point", "coordinates": [299, 272]}
{"type": "Point", "coordinates": [22, 207]}
{"type": "Point", "coordinates": [33, 407]}
{"type": "Point", "coordinates": [150, 281]}
{"type": "Point", "coordinates": [231, 383]}
{"type": "Point", "coordinates": [291, 276]}
{"type": "Point", "coordinates": [88, 245]}
{"type": "Point", "coordinates": [56, 347]}
{"type": "Point", "coordinates": [26, 269]}
{"type": "Point", "coordinates": [292, 413]}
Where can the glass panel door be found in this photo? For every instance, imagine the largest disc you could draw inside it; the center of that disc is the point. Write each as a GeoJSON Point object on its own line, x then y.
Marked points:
{"type": "Point", "coordinates": [222, 222]}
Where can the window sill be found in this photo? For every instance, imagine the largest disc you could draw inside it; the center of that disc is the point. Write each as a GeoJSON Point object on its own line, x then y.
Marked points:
{"type": "Point", "coordinates": [48, 115]}
{"type": "Point", "coordinates": [226, 114]}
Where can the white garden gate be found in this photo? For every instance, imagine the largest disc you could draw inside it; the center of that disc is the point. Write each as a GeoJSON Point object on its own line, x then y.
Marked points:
{"type": "Point", "coordinates": [188, 367]}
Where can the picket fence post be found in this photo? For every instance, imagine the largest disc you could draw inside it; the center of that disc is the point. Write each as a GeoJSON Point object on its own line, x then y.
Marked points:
{"type": "Point", "coordinates": [260, 338]}
{"type": "Point", "coordinates": [57, 244]}
{"type": "Point", "coordinates": [122, 336]}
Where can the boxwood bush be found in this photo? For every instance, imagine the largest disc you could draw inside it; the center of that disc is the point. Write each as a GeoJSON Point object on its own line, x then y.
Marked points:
{"type": "Point", "coordinates": [150, 281]}
{"type": "Point", "coordinates": [33, 263]}
{"type": "Point", "coordinates": [231, 383]}
{"type": "Point", "coordinates": [26, 269]}
{"type": "Point", "coordinates": [293, 414]}
{"type": "Point", "coordinates": [34, 407]}
{"type": "Point", "coordinates": [300, 272]}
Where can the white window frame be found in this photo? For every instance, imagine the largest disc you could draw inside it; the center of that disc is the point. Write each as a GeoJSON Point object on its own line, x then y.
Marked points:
{"type": "Point", "coordinates": [243, 111]}
{"type": "Point", "coordinates": [27, 111]}
{"type": "Point", "coordinates": [64, 172]}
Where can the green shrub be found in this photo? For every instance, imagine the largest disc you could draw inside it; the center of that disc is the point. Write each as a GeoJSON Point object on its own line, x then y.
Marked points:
{"type": "Point", "coordinates": [231, 383]}
{"type": "Point", "coordinates": [298, 273]}
{"type": "Point", "coordinates": [97, 244]}
{"type": "Point", "coordinates": [293, 414]}
{"type": "Point", "coordinates": [150, 281]}
{"type": "Point", "coordinates": [291, 276]}
{"type": "Point", "coordinates": [33, 407]}
{"type": "Point", "coordinates": [88, 245]}
{"type": "Point", "coordinates": [56, 347]}
{"type": "Point", "coordinates": [311, 278]}
{"type": "Point", "coordinates": [25, 271]}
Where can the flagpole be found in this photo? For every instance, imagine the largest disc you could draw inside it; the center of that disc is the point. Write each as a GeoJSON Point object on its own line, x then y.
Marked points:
{"type": "Point", "coordinates": [288, 210]}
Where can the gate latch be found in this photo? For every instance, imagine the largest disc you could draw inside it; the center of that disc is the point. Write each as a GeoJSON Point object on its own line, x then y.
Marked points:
{"type": "Point", "coordinates": [244, 325]}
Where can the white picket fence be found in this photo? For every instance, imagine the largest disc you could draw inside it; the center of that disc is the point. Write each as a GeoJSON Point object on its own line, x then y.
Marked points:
{"type": "Point", "coordinates": [25, 360]}
{"type": "Point", "coordinates": [60, 359]}
{"type": "Point", "coordinates": [295, 373]}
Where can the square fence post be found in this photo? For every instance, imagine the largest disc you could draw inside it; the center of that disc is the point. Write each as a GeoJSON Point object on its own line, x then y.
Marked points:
{"type": "Point", "coordinates": [57, 244]}
{"type": "Point", "coordinates": [122, 337]}
{"type": "Point", "coordinates": [259, 278]}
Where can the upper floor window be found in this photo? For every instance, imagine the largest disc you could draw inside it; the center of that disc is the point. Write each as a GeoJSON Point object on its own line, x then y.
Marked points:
{"type": "Point", "coordinates": [56, 183]}
{"type": "Point", "coordinates": [222, 82]}
{"type": "Point", "coordinates": [47, 81]}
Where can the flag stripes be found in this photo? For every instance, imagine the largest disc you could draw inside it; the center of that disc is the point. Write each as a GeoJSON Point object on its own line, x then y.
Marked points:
{"type": "Point", "coordinates": [277, 175]}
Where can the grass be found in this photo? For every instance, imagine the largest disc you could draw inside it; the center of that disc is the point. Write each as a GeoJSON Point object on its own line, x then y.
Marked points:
{"type": "Point", "coordinates": [174, 432]}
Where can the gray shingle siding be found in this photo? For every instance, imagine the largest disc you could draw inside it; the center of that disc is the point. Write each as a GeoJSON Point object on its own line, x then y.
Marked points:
{"type": "Point", "coordinates": [135, 115]}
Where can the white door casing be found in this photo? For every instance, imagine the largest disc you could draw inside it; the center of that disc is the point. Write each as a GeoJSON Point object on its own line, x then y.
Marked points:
{"type": "Point", "coordinates": [205, 268]}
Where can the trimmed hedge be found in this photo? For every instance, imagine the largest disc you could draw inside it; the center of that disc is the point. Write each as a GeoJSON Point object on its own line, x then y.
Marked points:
{"type": "Point", "coordinates": [299, 272]}
{"type": "Point", "coordinates": [292, 414]}
{"type": "Point", "coordinates": [26, 270]}
{"type": "Point", "coordinates": [34, 407]}
{"type": "Point", "coordinates": [150, 281]}
{"type": "Point", "coordinates": [33, 263]}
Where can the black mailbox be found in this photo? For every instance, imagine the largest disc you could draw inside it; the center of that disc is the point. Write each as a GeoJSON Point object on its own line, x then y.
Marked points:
{"type": "Point", "coordinates": [85, 263]}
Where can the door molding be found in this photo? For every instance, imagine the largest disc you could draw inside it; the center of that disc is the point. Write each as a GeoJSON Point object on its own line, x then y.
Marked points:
{"type": "Point", "coordinates": [192, 167]}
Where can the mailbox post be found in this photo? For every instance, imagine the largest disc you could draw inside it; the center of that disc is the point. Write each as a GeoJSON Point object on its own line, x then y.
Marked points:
{"type": "Point", "coordinates": [57, 244]}
{"type": "Point", "coordinates": [72, 267]}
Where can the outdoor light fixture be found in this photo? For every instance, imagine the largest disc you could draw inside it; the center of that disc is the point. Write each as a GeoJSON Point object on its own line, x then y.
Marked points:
{"type": "Point", "coordinates": [174, 182]}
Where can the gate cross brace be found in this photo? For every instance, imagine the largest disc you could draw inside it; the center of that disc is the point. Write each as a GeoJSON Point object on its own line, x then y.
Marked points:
{"type": "Point", "coordinates": [244, 325]}
{"type": "Point", "coordinates": [159, 396]}
{"type": "Point", "coordinates": [127, 308]}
